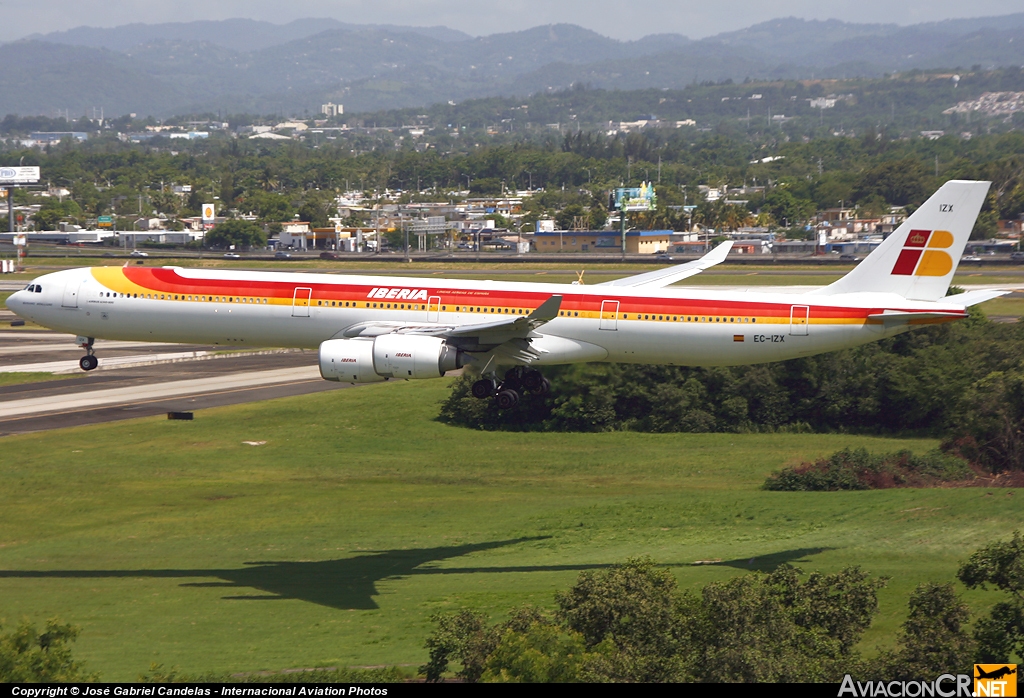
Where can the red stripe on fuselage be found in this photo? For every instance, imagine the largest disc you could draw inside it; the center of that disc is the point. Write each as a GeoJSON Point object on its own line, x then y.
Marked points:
{"type": "Point", "coordinates": [168, 281]}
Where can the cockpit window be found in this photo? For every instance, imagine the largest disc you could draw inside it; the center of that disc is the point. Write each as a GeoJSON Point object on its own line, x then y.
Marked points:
{"type": "Point", "coordinates": [39, 289]}
{"type": "Point", "coordinates": [30, 288]}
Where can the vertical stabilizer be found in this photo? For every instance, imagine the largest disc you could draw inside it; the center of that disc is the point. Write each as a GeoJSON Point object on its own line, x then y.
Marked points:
{"type": "Point", "coordinates": [919, 259]}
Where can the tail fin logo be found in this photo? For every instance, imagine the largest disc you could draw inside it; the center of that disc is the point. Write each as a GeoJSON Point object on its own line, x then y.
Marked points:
{"type": "Point", "coordinates": [923, 254]}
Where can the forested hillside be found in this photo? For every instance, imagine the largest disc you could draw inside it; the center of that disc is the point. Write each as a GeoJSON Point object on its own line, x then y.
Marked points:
{"type": "Point", "coordinates": [238, 65]}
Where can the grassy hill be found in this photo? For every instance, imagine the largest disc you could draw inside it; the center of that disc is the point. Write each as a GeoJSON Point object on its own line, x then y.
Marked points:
{"type": "Point", "coordinates": [333, 542]}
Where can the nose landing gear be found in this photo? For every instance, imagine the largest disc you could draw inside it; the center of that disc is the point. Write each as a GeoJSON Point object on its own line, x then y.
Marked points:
{"type": "Point", "coordinates": [89, 361]}
{"type": "Point", "coordinates": [507, 392]}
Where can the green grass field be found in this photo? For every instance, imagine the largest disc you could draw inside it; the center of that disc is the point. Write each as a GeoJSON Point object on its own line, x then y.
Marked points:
{"type": "Point", "coordinates": [7, 379]}
{"type": "Point", "coordinates": [332, 543]}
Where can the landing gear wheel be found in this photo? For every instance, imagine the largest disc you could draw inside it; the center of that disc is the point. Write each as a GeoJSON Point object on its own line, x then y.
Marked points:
{"type": "Point", "coordinates": [532, 380]}
{"type": "Point", "coordinates": [484, 388]}
{"type": "Point", "coordinates": [88, 362]}
{"type": "Point", "coordinates": [507, 399]}
{"type": "Point", "coordinates": [545, 387]}
{"type": "Point", "coordinates": [513, 379]}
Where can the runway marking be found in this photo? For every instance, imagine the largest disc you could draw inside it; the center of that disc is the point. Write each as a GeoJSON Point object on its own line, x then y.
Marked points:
{"type": "Point", "coordinates": [70, 346]}
{"type": "Point", "coordinates": [154, 393]}
{"type": "Point", "coordinates": [161, 399]}
{"type": "Point", "coordinates": [106, 362]}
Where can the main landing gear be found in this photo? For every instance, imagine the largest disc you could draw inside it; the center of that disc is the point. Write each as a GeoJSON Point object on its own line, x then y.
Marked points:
{"type": "Point", "coordinates": [89, 361]}
{"type": "Point", "coordinates": [506, 393]}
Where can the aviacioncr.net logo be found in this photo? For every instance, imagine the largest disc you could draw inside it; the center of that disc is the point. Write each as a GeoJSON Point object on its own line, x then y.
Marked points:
{"type": "Point", "coordinates": [945, 686]}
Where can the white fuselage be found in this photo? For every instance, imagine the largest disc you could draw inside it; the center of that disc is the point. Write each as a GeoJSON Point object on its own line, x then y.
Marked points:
{"type": "Point", "coordinates": [680, 326]}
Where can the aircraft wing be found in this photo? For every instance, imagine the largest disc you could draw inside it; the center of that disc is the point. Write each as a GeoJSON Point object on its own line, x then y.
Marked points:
{"type": "Point", "coordinates": [669, 276]}
{"type": "Point", "coordinates": [471, 337]}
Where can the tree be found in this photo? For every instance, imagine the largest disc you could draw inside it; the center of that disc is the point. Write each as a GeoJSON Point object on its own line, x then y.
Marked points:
{"type": "Point", "coordinates": [543, 653]}
{"type": "Point", "coordinates": [784, 207]}
{"type": "Point", "coordinates": [1001, 564]}
{"type": "Point", "coordinates": [900, 183]}
{"type": "Point", "coordinates": [466, 638]}
{"type": "Point", "coordinates": [28, 655]}
{"type": "Point", "coordinates": [933, 639]}
{"type": "Point", "coordinates": [268, 207]}
{"type": "Point", "coordinates": [566, 218]}
{"type": "Point", "coordinates": [775, 627]}
{"type": "Point", "coordinates": [317, 209]}
{"type": "Point", "coordinates": [631, 623]}
{"type": "Point", "coordinates": [54, 211]}
{"type": "Point", "coordinates": [636, 608]}
{"type": "Point", "coordinates": [237, 232]}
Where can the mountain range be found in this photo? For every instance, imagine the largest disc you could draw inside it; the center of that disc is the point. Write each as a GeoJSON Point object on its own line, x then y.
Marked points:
{"type": "Point", "coordinates": [240, 65]}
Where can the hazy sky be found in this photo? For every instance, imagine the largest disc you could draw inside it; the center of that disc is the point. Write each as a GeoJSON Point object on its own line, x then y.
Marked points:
{"type": "Point", "coordinates": [619, 19]}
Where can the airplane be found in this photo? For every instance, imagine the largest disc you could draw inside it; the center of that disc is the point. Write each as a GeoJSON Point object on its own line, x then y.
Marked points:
{"type": "Point", "coordinates": [375, 328]}
{"type": "Point", "coordinates": [995, 673]}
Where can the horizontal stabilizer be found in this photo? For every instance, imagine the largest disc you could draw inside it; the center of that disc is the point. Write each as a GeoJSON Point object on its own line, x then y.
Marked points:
{"type": "Point", "coordinates": [671, 275]}
{"type": "Point", "coordinates": [974, 297]}
{"type": "Point", "coordinates": [894, 317]}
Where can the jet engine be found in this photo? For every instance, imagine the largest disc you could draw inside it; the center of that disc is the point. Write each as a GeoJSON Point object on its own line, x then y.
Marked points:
{"type": "Point", "coordinates": [387, 356]}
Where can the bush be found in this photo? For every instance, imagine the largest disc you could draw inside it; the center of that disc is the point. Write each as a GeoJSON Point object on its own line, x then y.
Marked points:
{"type": "Point", "coordinates": [1001, 634]}
{"type": "Point", "coordinates": [158, 674]}
{"type": "Point", "coordinates": [237, 232]}
{"type": "Point", "coordinates": [860, 470]}
{"type": "Point", "coordinates": [28, 655]}
{"type": "Point", "coordinates": [631, 623]}
{"type": "Point", "coordinates": [962, 381]}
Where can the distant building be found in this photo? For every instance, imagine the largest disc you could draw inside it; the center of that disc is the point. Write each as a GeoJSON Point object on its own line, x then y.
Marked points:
{"type": "Point", "coordinates": [131, 238]}
{"type": "Point", "coordinates": [57, 136]}
{"type": "Point", "coordinates": [637, 241]}
{"type": "Point", "coordinates": [330, 109]}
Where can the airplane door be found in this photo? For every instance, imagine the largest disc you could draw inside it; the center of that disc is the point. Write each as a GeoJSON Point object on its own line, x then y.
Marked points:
{"type": "Point", "coordinates": [799, 316]}
{"type": "Point", "coordinates": [71, 290]}
{"type": "Point", "coordinates": [433, 308]}
{"type": "Point", "coordinates": [609, 315]}
{"type": "Point", "coordinates": [300, 302]}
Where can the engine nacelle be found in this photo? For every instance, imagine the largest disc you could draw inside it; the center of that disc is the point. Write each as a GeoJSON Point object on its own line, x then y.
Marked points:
{"type": "Point", "coordinates": [348, 360]}
{"type": "Point", "coordinates": [387, 356]}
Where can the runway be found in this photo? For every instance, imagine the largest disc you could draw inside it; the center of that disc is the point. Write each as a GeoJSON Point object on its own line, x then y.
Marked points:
{"type": "Point", "coordinates": [148, 386]}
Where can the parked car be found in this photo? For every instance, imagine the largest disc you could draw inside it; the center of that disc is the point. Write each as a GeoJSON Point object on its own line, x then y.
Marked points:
{"type": "Point", "coordinates": [328, 255]}
{"type": "Point", "coordinates": [849, 258]}
{"type": "Point", "coordinates": [970, 258]}
{"type": "Point", "coordinates": [232, 255]}
{"type": "Point", "coordinates": [137, 253]}
{"type": "Point", "coordinates": [1017, 257]}
{"type": "Point", "coordinates": [282, 255]}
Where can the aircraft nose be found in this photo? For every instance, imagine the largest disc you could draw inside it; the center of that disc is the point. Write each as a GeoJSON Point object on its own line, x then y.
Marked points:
{"type": "Point", "coordinates": [13, 301]}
